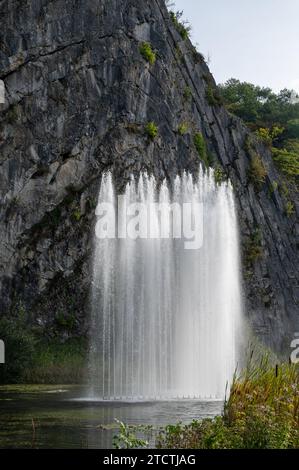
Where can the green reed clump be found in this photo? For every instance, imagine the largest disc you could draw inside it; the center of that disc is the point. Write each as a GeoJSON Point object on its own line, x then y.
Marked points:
{"type": "Point", "coordinates": [262, 412]}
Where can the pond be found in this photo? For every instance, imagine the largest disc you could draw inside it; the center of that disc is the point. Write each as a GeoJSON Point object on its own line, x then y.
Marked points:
{"type": "Point", "coordinates": [40, 416]}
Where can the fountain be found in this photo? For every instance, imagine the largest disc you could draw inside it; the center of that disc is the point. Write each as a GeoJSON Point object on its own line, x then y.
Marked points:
{"type": "Point", "coordinates": [166, 308]}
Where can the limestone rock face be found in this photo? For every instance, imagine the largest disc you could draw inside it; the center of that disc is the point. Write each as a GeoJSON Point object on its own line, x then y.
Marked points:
{"type": "Point", "coordinates": [78, 96]}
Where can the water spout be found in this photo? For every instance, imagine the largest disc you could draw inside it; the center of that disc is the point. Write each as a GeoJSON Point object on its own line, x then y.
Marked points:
{"type": "Point", "coordinates": [166, 320]}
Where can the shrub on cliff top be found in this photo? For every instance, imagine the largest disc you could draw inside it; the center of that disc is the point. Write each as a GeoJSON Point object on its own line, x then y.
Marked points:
{"type": "Point", "coordinates": [182, 27]}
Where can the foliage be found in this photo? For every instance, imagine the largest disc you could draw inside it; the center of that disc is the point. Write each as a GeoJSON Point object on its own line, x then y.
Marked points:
{"type": "Point", "coordinates": [147, 53]}
{"type": "Point", "coordinates": [257, 172]}
{"type": "Point", "coordinates": [274, 118]}
{"type": "Point", "coordinates": [287, 161]}
{"type": "Point", "coordinates": [187, 94]}
{"type": "Point", "coordinates": [127, 438]}
{"type": "Point", "coordinates": [57, 362]}
{"type": "Point", "coordinates": [273, 187]}
{"type": "Point", "coordinates": [293, 129]}
{"type": "Point", "coordinates": [200, 145]}
{"type": "Point", "coordinates": [253, 250]}
{"type": "Point", "coordinates": [290, 209]}
{"type": "Point", "coordinates": [260, 106]}
{"type": "Point", "coordinates": [151, 130]}
{"type": "Point", "coordinates": [19, 347]}
{"type": "Point", "coordinates": [269, 135]}
{"type": "Point", "coordinates": [77, 215]}
{"type": "Point", "coordinates": [213, 96]}
{"type": "Point", "coordinates": [262, 413]}
{"type": "Point", "coordinates": [219, 174]}
{"type": "Point", "coordinates": [31, 358]}
{"type": "Point", "coordinates": [182, 27]}
{"type": "Point", "coordinates": [65, 322]}
{"type": "Point", "coordinates": [183, 128]}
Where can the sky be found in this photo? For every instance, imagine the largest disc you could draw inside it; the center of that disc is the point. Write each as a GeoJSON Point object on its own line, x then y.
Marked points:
{"type": "Point", "coordinates": [252, 40]}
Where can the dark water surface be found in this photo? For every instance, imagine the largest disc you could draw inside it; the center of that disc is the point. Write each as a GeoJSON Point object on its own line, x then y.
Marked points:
{"type": "Point", "coordinates": [58, 417]}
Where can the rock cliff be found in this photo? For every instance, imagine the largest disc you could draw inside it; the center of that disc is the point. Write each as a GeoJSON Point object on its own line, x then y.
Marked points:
{"type": "Point", "coordinates": [79, 94]}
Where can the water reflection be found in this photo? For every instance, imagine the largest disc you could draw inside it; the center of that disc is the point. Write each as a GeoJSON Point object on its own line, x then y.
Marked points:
{"type": "Point", "coordinates": [43, 418]}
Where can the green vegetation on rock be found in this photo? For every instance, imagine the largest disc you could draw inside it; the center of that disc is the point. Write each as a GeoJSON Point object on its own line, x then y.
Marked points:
{"type": "Point", "coordinates": [219, 174]}
{"type": "Point", "coordinates": [182, 27]}
{"type": "Point", "coordinates": [183, 128]}
{"type": "Point", "coordinates": [253, 250]}
{"type": "Point", "coordinates": [273, 117]}
{"type": "Point", "coordinates": [257, 172]}
{"type": "Point", "coordinates": [147, 53]}
{"type": "Point", "coordinates": [201, 148]}
{"type": "Point", "coordinates": [151, 130]}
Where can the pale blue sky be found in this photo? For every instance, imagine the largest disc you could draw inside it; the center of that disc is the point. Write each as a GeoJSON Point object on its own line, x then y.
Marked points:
{"type": "Point", "coordinates": [252, 40]}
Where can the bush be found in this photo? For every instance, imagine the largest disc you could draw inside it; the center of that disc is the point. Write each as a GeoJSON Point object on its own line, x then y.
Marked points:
{"type": "Point", "coordinates": [287, 161]}
{"type": "Point", "coordinates": [219, 175]}
{"type": "Point", "coordinates": [261, 413]}
{"type": "Point", "coordinates": [257, 172]}
{"type": "Point", "coordinates": [127, 437]}
{"type": "Point", "coordinates": [290, 209]}
{"type": "Point", "coordinates": [200, 145]}
{"type": "Point", "coordinates": [31, 358]}
{"type": "Point", "coordinates": [182, 27]}
{"type": "Point", "coordinates": [213, 96]}
{"type": "Point", "coordinates": [147, 52]}
{"type": "Point", "coordinates": [151, 130]}
{"type": "Point", "coordinates": [253, 250]}
{"type": "Point", "coordinates": [77, 215]}
{"type": "Point", "coordinates": [58, 363]}
{"type": "Point", "coordinates": [293, 129]}
{"type": "Point", "coordinates": [19, 348]}
{"type": "Point", "coordinates": [269, 135]}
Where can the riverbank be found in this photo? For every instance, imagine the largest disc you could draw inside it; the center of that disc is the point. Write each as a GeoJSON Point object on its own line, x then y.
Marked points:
{"type": "Point", "coordinates": [262, 412]}
{"type": "Point", "coordinates": [35, 356]}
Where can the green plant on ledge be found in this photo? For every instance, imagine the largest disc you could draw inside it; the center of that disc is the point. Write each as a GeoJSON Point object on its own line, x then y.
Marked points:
{"type": "Point", "coordinates": [147, 53]}
{"type": "Point", "coordinates": [200, 145]}
{"type": "Point", "coordinates": [253, 250]}
{"type": "Point", "coordinates": [219, 174]}
{"type": "Point", "coordinates": [257, 172]}
{"type": "Point", "coordinates": [183, 128]}
{"type": "Point", "coordinates": [77, 215]}
{"type": "Point", "coordinates": [151, 130]}
{"type": "Point", "coordinates": [290, 209]}
{"type": "Point", "coordinates": [213, 96]}
{"type": "Point", "coordinates": [187, 94]}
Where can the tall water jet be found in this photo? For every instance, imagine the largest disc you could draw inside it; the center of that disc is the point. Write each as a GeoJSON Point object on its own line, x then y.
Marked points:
{"type": "Point", "coordinates": [166, 298]}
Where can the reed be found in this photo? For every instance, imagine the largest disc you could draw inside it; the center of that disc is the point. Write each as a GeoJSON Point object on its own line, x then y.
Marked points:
{"type": "Point", "coordinates": [261, 412]}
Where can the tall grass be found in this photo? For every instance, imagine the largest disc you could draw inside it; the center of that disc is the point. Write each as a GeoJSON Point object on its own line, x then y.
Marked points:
{"type": "Point", "coordinates": [262, 412]}
{"type": "Point", "coordinates": [58, 363]}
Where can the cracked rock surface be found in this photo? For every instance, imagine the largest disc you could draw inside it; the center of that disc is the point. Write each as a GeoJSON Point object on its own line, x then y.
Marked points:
{"type": "Point", "coordinates": [78, 96]}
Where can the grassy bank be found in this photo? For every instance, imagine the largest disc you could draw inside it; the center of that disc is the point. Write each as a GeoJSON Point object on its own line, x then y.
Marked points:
{"type": "Point", "coordinates": [57, 363]}
{"type": "Point", "coordinates": [262, 413]}
{"type": "Point", "coordinates": [33, 357]}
